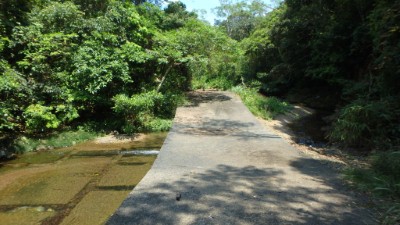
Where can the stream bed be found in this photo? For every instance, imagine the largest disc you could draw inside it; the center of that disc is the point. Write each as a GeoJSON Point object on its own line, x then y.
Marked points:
{"type": "Point", "coordinates": [82, 184]}
{"type": "Point", "coordinates": [310, 131]}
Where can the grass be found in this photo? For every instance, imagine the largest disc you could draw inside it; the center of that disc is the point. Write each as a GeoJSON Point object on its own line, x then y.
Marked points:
{"type": "Point", "coordinates": [220, 83]}
{"type": "Point", "coordinates": [149, 124]}
{"type": "Point", "coordinates": [382, 180]}
{"type": "Point", "coordinates": [158, 125]}
{"type": "Point", "coordinates": [259, 105]}
{"type": "Point", "coordinates": [56, 140]}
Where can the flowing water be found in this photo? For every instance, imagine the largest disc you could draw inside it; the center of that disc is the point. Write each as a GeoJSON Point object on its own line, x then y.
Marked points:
{"type": "Point", "coordinates": [83, 184]}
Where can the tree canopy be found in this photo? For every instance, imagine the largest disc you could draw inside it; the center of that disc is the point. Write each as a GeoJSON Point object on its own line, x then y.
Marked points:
{"type": "Point", "coordinates": [63, 62]}
{"type": "Point", "coordinates": [338, 55]}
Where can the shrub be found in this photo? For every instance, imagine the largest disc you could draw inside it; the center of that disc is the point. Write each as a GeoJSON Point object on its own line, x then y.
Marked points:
{"type": "Point", "coordinates": [367, 123]}
{"type": "Point", "coordinates": [41, 118]}
{"type": "Point", "coordinates": [55, 140]}
{"type": "Point", "coordinates": [388, 164]}
{"type": "Point", "coordinates": [158, 124]}
{"type": "Point", "coordinates": [137, 104]}
{"type": "Point", "coordinates": [220, 83]}
{"type": "Point", "coordinates": [148, 111]}
{"type": "Point", "coordinates": [382, 180]}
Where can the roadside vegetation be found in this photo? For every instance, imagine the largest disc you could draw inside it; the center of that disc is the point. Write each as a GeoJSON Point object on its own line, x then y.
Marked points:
{"type": "Point", "coordinates": [261, 106]}
{"type": "Point", "coordinates": [337, 56]}
{"type": "Point", "coordinates": [382, 180]}
{"type": "Point", "coordinates": [108, 65]}
{"type": "Point", "coordinates": [55, 140]}
{"type": "Point", "coordinates": [101, 66]}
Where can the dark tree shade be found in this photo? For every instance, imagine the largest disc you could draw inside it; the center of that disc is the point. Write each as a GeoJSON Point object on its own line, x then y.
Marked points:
{"type": "Point", "coordinates": [13, 12]}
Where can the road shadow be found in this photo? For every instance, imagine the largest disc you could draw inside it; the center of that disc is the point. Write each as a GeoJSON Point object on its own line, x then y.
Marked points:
{"type": "Point", "coordinates": [198, 97]}
{"type": "Point", "coordinates": [281, 186]}
{"type": "Point", "coordinates": [223, 127]}
{"type": "Point", "coordinates": [239, 195]}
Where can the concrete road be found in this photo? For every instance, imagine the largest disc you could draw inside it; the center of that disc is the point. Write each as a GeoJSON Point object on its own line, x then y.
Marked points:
{"type": "Point", "coordinates": [219, 165]}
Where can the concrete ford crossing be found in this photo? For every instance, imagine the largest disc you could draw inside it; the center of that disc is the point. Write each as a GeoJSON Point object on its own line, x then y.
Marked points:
{"type": "Point", "coordinates": [219, 165]}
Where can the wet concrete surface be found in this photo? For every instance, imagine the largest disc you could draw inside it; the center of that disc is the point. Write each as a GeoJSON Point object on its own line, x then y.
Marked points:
{"type": "Point", "coordinates": [83, 184]}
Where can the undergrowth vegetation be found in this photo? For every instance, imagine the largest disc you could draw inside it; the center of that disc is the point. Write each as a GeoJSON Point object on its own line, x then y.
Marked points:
{"type": "Point", "coordinates": [109, 65]}
{"type": "Point", "coordinates": [124, 66]}
{"type": "Point", "coordinates": [259, 105]}
{"type": "Point", "coordinates": [340, 57]}
{"type": "Point", "coordinates": [54, 140]}
{"type": "Point", "coordinates": [149, 111]}
{"type": "Point", "coordinates": [382, 180]}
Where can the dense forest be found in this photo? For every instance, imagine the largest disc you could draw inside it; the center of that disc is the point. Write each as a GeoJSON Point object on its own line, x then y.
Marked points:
{"type": "Point", "coordinates": [125, 65]}
{"type": "Point", "coordinates": [128, 63]}
{"type": "Point", "coordinates": [338, 55]}
{"type": "Point", "coordinates": [341, 56]}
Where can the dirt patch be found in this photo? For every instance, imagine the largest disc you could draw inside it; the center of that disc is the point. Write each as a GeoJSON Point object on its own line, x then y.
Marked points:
{"type": "Point", "coordinates": [281, 123]}
{"type": "Point", "coordinates": [118, 138]}
{"type": "Point", "coordinates": [334, 156]}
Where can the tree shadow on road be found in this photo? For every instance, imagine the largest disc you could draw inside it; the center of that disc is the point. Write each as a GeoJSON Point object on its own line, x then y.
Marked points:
{"type": "Point", "coordinates": [223, 127]}
{"type": "Point", "coordinates": [240, 195]}
{"type": "Point", "coordinates": [286, 188]}
{"type": "Point", "coordinates": [198, 97]}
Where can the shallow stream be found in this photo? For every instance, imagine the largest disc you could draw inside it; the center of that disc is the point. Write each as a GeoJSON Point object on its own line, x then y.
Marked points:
{"type": "Point", "coordinates": [83, 184]}
{"type": "Point", "coordinates": [310, 130]}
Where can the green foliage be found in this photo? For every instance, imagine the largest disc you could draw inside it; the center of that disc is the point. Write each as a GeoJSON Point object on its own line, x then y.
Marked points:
{"type": "Point", "coordinates": [43, 66]}
{"type": "Point", "coordinates": [66, 62]}
{"type": "Point", "coordinates": [339, 54]}
{"type": "Point", "coordinates": [97, 66]}
{"type": "Point", "coordinates": [158, 124]}
{"type": "Point", "coordinates": [13, 12]}
{"type": "Point", "coordinates": [388, 164]}
{"type": "Point", "coordinates": [13, 92]}
{"type": "Point", "coordinates": [54, 140]}
{"type": "Point", "coordinates": [146, 111]}
{"type": "Point", "coordinates": [141, 103]}
{"type": "Point", "coordinates": [367, 123]}
{"type": "Point", "coordinates": [391, 215]}
{"type": "Point", "coordinates": [261, 53]}
{"type": "Point", "coordinates": [78, 61]}
{"type": "Point", "coordinates": [176, 16]}
{"type": "Point", "coordinates": [382, 180]}
{"type": "Point", "coordinates": [220, 83]}
{"type": "Point", "coordinates": [213, 59]}
{"type": "Point", "coordinates": [261, 106]}
{"type": "Point", "coordinates": [240, 18]}
{"type": "Point", "coordinates": [40, 118]}
{"type": "Point", "coordinates": [167, 107]}
{"type": "Point", "coordinates": [56, 17]}
{"type": "Point", "coordinates": [47, 55]}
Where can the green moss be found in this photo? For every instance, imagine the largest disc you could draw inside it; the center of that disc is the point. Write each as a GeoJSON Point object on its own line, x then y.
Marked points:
{"type": "Point", "coordinates": [56, 140]}
{"type": "Point", "coordinates": [40, 157]}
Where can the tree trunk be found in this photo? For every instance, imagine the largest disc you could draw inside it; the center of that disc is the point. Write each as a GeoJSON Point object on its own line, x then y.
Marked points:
{"type": "Point", "coordinates": [165, 75]}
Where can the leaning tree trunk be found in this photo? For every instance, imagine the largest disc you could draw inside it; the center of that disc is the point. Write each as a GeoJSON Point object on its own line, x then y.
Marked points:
{"type": "Point", "coordinates": [165, 75]}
